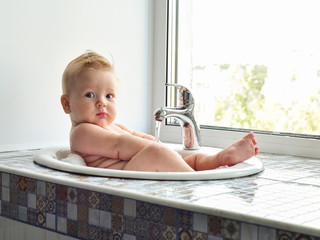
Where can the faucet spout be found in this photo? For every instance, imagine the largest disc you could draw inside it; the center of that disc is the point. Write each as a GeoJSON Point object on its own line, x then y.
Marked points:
{"type": "Point", "coordinates": [183, 113]}
{"type": "Point", "coordinates": [159, 115]}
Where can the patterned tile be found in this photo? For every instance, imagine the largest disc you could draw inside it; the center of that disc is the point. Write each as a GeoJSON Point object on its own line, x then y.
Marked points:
{"type": "Point", "coordinates": [41, 219]}
{"type": "Point", "coordinates": [215, 225]}
{"type": "Point", "coordinates": [51, 191]}
{"type": "Point", "coordinates": [41, 203]}
{"type": "Point", "coordinates": [94, 200]}
{"type": "Point", "coordinates": [106, 202]}
{"type": "Point", "coordinates": [142, 228]}
{"type": "Point", "coordinates": [199, 236]}
{"type": "Point", "coordinates": [14, 210]}
{"type": "Point", "coordinates": [93, 232]}
{"type": "Point", "coordinates": [129, 225]}
{"type": "Point", "coordinates": [156, 213]}
{"type": "Point", "coordinates": [303, 237]}
{"type": "Point", "coordinates": [231, 229]}
{"type": "Point", "coordinates": [31, 185]}
{"type": "Point", "coordinates": [168, 232]}
{"type": "Point", "coordinates": [22, 199]}
{"type": "Point", "coordinates": [117, 204]}
{"type": "Point", "coordinates": [283, 235]}
{"type": "Point", "coordinates": [61, 209]}
{"type": "Point", "coordinates": [83, 197]}
{"type": "Point", "coordinates": [169, 216]}
{"type": "Point", "coordinates": [72, 228]}
{"type": "Point", "coordinates": [62, 192]}
{"type": "Point", "coordinates": [22, 183]}
{"type": "Point", "coordinates": [185, 219]}
{"type": "Point", "coordinates": [116, 235]}
{"type": "Point", "coordinates": [288, 189]}
{"type": "Point", "coordinates": [83, 213]}
{"type": "Point", "coordinates": [14, 182]}
{"type": "Point", "coordinates": [116, 222]}
{"type": "Point", "coordinates": [72, 195]}
{"type": "Point", "coordinates": [32, 216]}
{"type": "Point", "coordinates": [83, 230]}
{"type": "Point", "coordinates": [155, 230]}
{"type": "Point", "coordinates": [51, 205]}
{"type": "Point", "coordinates": [105, 234]}
{"type": "Point", "coordinates": [143, 210]}
{"type": "Point", "coordinates": [185, 234]}
{"type": "Point", "coordinates": [14, 196]}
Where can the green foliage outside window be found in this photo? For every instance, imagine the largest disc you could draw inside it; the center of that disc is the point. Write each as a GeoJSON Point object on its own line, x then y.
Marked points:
{"type": "Point", "coordinates": [246, 105]}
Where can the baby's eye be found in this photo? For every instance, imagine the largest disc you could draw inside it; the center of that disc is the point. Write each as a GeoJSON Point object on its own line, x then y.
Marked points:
{"type": "Point", "coordinates": [109, 96]}
{"type": "Point", "coordinates": [90, 95]}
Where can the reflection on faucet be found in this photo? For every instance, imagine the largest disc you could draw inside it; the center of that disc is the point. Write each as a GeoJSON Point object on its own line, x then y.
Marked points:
{"type": "Point", "coordinates": [184, 113]}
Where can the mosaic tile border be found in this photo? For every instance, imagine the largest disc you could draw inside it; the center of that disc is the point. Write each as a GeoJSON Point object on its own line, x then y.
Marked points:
{"type": "Point", "coordinates": [89, 214]}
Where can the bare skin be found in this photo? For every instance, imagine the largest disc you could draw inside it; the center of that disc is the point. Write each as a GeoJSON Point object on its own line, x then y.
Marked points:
{"type": "Point", "coordinates": [239, 151]}
{"type": "Point", "coordinates": [91, 102]}
{"type": "Point", "coordinates": [140, 152]}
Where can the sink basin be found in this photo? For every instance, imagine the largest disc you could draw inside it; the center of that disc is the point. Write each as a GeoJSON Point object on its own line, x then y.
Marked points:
{"type": "Point", "coordinates": [60, 158]}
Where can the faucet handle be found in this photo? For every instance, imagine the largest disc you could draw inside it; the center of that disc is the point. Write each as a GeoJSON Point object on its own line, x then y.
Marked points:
{"type": "Point", "coordinates": [182, 95]}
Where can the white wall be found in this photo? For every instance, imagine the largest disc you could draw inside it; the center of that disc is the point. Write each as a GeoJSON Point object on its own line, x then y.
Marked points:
{"type": "Point", "coordinates": [39, 38]}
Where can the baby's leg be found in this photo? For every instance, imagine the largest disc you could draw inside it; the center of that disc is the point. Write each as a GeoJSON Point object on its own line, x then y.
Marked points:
{"type": "Point", "coordinates": [157, 158]}
{"type": "Point", "coordinates": [239, 151]}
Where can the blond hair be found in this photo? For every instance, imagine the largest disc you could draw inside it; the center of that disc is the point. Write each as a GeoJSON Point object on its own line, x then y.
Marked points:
{"type": "Point", "coordinates": [86, 61]}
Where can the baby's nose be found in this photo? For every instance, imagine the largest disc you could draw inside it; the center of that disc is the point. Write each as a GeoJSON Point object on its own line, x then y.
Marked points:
{"type": "Point", "coordinates": [101, 103]}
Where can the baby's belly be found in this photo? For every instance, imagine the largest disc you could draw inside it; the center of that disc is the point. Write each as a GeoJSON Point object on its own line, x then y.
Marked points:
{"type": "Point", "coordinates": [103, 162]}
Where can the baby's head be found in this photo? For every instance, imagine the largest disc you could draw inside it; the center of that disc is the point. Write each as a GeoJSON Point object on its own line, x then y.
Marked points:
{"type": "Point", "coordinates": [90, 87]}
{"type": "Point", "coordinates": [87, 61]}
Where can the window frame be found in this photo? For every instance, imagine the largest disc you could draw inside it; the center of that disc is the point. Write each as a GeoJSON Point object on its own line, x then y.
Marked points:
{"type": "Point", "coordinates": [219, 138]}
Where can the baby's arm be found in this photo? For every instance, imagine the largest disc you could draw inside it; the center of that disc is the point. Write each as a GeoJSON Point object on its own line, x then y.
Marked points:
{"type": "Point", "coordinates": [90, 139]}
{"type": "Point", "coordinates": [135, 133]}
{"type": "Point", "coordinates": [141, 154]}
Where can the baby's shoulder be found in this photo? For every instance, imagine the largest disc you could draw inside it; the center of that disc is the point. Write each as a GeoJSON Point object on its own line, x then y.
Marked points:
{"type": "Point", "coordinates": [85, 129]}
{"type": "Point", "coordinates": [84, 126]}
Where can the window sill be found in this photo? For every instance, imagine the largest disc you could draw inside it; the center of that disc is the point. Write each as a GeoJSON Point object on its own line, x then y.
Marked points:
{"type": "Point", "coordinates": [267, 143]}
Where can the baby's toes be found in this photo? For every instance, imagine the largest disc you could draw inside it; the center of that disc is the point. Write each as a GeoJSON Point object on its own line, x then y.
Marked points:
{"type": "Point", "coordinates": [256, 150]}
{"type": "Point", "coordinates": [250, 136]}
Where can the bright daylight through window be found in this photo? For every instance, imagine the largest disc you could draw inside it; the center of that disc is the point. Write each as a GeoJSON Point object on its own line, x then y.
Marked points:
{"type": "Point", "coordinates": [250, 64]}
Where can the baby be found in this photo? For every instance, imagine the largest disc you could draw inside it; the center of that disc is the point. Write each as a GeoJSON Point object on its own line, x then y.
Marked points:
{"type": "Point", "coordinates": [90, 89]}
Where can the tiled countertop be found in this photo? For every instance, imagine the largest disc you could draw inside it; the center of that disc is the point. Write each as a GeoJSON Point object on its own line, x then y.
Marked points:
{"type": "Point", "coordinates": [285, 195]}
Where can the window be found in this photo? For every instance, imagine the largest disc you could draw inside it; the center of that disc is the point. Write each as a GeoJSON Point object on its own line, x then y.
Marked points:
{"type": "Point", "coordinates": [252, 65]}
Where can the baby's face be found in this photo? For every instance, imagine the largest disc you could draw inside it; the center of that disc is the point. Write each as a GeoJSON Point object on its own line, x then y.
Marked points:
{"type": "Point", "coordinates": [93, 98]}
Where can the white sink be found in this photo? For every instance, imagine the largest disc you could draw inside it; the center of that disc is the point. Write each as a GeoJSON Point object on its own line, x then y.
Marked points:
{"type": "Point", "coordinates": [59, 158]}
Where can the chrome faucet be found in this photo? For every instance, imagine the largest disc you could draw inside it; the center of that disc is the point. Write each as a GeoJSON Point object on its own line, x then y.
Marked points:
{"type": "Point", "coordinates": [184, 113]}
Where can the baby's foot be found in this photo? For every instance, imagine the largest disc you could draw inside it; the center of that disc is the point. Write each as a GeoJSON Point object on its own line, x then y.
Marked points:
{"type": "Point", "coordinates": [239, 151]}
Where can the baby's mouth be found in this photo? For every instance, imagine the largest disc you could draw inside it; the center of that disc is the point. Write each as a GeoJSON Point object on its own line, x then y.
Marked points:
{"type": "Point", "coordinates": [101, 114]}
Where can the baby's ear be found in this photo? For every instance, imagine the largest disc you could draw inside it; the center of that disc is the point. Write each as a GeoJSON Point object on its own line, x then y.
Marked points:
{"type": "Point", "coordinates": [65, 104]}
